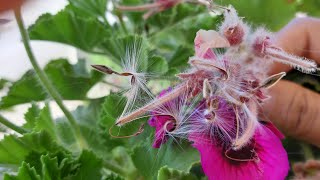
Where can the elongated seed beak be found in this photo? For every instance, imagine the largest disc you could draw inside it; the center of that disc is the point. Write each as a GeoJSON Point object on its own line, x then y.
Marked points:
{"type": "Point", "coordinates": [103, 69]}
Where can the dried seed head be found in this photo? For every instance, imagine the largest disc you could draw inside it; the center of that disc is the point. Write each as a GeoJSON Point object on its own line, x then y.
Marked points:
{"type": "Point", "coordinates": [261, 39]}
{"type": "Point", "coordinates": [233, 27]}
{"type": "Point", "coordinates": [262, 46]}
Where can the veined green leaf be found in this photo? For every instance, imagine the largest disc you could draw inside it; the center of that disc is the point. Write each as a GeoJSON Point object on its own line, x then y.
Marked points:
{"type": "Point", "coordinates": [90, 167]}
{"type": "Point", "coordinates": [149, 160]}
{"type": "Point", "coordinates": [93, 7]}
{"type": "Point", "coordinates": [13, 149]}
{"type": "Point", "coordinates": [72, 82]}
{"type": "Point", "coordinates": [58, 166]}
{"type": "Point", "coordinates": [25, 173]}
{"type": "Point", "coordinates": [68, 28]}
{"type": "Point", "coordinates": [166, 173]}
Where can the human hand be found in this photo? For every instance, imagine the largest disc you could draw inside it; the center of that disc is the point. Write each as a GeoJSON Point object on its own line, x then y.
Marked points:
{"type": "Point", "coordinates": [293, 109]}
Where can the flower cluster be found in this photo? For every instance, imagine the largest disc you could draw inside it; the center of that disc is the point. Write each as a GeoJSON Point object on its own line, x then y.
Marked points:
{"type": "Point", "coordinates": [216, 104]}
{"type": "Point", "coordinates": [223, 125]}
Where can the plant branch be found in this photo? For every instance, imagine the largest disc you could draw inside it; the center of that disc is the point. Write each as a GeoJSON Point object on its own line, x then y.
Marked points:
{"type": "Point", "coordinates": [46, 82]}
{"type": "Point", "coordinates": [12, 126]}
{"type": "Point", "coordinates": [114, 168]}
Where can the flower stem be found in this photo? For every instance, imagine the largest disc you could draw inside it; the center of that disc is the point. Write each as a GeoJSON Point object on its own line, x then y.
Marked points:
{"type": "Point", "coordinates": [306, 148]}
{"type": "Point", "coordinates": [12, 126]}
{"type": "Point", "coordinates": [46, 82]}
{"type": "Point", "coordinates": [114, 168]}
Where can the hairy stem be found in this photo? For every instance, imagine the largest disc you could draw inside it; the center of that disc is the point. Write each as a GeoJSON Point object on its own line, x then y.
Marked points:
{"type": "Point", "coordinates": [46, 82]}
{"type": "Point", "coordinates": [114, 168]}
{"type": "Point", "coordinates": [12, 126]}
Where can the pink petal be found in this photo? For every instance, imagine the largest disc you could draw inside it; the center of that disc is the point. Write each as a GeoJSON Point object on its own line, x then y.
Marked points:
{"type": "Point", "coordinates": [272, 164]}
{"type": "Point", "coordinates": [208, 39]}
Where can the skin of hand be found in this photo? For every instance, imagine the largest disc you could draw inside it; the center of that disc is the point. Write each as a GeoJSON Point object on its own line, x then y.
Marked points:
{"type": "Point", "coordinates": [294, 109]}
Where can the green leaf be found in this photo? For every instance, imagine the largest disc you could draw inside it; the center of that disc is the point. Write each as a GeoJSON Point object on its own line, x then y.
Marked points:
{"type": "Point", "coordinates": [111, 110]}
{"type": "Point", "coordinates": [166, 173]}
{"type": "Point", "coordinates": [25, 173]}
{"type": "Point", "coordinates": [30, 116]}
{"type": "Point", "coordinates": [113, 177]}
{"type": "Point", "coordinates": [68, 28]}
{"type": "Point", "coordinates": [57, 165]}
{"type": "Point", "coordinates": [174, 15]}
{"type": "Point", "coordinates": [274, 14]}
{"type": "Point", "coordinates": [311, 7]}
{"type": "Point", "coordinates": [116, 48]}
{"type": "Point", "coordinates": [60, 165]}
{"type": "Point", "coordinates": [72, 82]}
{"type": "Point", "coordinates": [182, 33]}
{"type": "Point", "coordinates": [90, 167]}
{"type": "Point", "coordinates": [13, 149]}
{"type": "Point", "coordinates": [44, 122]}
{"type": "Point", "coordinates": [40, 119]}
{"type": "Point", "coordinates": [157, 65]}
{"type": "Point", "coordinates": [50, 168]}
{"type": "Point", "coordinates": [3, 82]}
{"type": "Point", "coordinates": [177, 156]}
{"type": "Point", "coordinates": [88, 119]}
{"type": "Point", "coordinates": [179, 60]}
{"type": "Point", "coordinates": [123, 159]}
{"type": "Point", "coordinates": [93, 7]}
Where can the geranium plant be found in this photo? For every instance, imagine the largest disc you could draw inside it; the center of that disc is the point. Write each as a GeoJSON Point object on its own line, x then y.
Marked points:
{"type": "Point", "coordinates": [187, 79]}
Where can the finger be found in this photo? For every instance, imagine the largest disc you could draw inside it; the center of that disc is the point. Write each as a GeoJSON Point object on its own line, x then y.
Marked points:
{"type": "Point", "coordinates": [295, 111]}
{"type": "Point", "coordinates": [300, 37]}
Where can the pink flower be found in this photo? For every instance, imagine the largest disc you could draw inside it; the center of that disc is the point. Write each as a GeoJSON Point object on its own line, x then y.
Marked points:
{"type": "Point", "coordinates": [262, 158]}
{"type": "Point", "coordinates": [162, 123]}
{"type": "Point", "coordinates": [205, 40]}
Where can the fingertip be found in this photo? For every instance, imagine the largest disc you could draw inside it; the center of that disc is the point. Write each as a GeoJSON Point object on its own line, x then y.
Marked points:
{"type": "Point", "coordinates": [294, 110]}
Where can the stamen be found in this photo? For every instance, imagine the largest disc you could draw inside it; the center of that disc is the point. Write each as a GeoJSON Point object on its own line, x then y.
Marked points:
{"type": "Point", "coordinates": [249, 131]}
{"type": "Point", "coordinates": [238, 123]}
{"type": "Point", "coordinates": [207, 89]}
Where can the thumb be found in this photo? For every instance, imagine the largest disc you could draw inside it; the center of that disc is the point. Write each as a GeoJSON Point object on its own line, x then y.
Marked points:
{"type": "Point", "coordinates": [294, 110]}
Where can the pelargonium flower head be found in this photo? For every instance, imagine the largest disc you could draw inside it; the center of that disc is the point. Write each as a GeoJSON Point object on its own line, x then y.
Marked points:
{"type": "Point", "coordinates": [261, 159]}
{"type": "Point", "coordinates": [215, 118]}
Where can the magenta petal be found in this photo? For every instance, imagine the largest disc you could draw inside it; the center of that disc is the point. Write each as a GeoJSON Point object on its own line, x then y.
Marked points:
{"type": "Point", "coordinates": [162, 124]}
{"type": "Point", "coordinates": [272, 160]}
